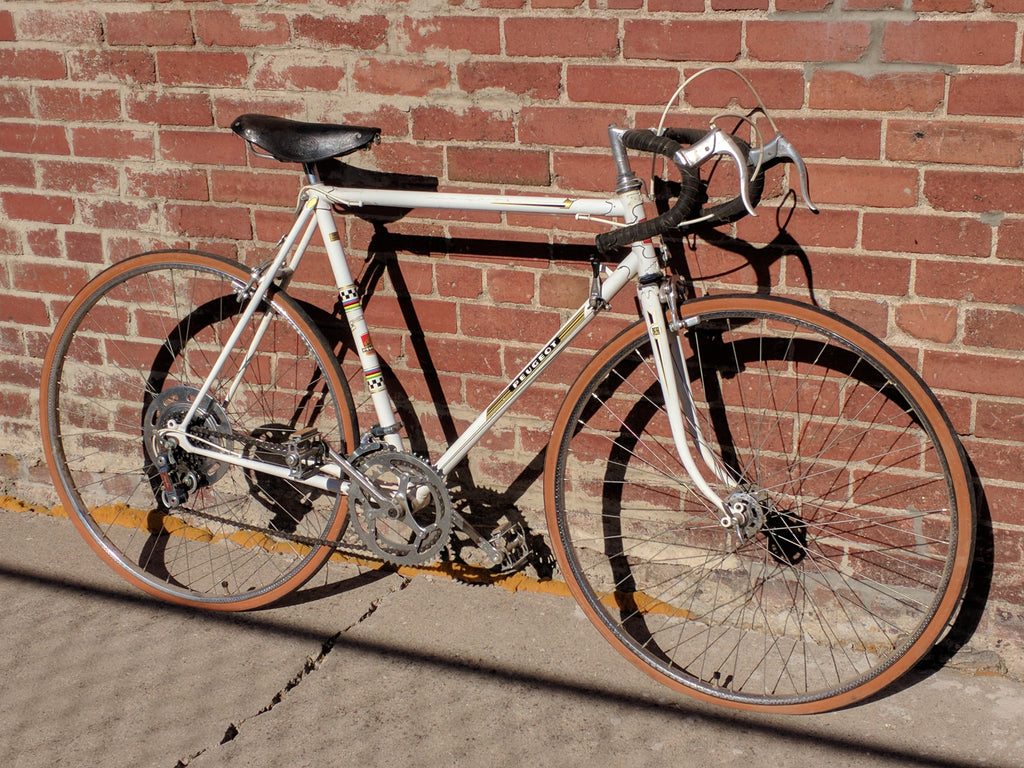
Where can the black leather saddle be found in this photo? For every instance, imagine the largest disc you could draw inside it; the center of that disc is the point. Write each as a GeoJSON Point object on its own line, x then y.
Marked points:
{"type": "Point", "coordinates": [294, 141]}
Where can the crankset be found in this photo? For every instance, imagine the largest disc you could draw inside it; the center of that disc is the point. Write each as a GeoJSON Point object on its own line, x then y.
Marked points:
{"type": "Point", "coordinates": [409, 520]}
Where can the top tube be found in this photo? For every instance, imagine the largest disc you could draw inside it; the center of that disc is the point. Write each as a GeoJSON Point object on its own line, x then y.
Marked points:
{"type": "Point", "coordinates": [394, 198]}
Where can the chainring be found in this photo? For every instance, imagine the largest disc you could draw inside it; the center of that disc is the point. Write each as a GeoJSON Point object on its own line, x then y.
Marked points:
{"type": "Point", "coordinates": [416, 523]}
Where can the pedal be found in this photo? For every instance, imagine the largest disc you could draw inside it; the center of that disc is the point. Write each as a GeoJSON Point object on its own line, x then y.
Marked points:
{"type": "Point", "coordinates": [511, 543]}
{"type": "Point", "coordinates": [304, 452]}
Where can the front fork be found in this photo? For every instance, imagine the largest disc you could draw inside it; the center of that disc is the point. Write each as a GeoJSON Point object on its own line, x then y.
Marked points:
{"type": "Point", "coordinates": [743, 510]}
{"type": "Point", "coordinates": [676, 388]}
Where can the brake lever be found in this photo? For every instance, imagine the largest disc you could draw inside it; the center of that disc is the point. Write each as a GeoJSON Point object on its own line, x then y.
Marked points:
{"type": "Point", "coordinates": [779, 149]}
{"type": "Point", "coordinates": [718, 142]}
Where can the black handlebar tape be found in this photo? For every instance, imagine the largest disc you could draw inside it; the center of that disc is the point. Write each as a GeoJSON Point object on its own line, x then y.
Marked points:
{"type": "Point", "coordinates": [727, 212]}
{"type": "Point", "coordinates": [646, 141]}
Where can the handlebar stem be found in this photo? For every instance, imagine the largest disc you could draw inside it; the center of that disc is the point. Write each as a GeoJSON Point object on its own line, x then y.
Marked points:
{"type": "Point", "coordinates": [626, 179]}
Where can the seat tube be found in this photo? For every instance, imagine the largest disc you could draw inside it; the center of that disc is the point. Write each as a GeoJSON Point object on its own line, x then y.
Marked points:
{"type": "Point", "coordinates": [351, 303]}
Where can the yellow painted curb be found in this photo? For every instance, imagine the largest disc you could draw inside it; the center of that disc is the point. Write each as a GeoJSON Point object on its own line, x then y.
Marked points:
{"type": "Point", "coordinates": [513, 582]}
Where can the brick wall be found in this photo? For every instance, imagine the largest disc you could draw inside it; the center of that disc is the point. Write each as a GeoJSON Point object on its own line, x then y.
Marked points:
{"type": "Point", "coordinates": [113, 140]}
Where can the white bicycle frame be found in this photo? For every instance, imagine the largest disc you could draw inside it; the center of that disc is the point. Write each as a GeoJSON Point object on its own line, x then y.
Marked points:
{"type": "Point", "coordinates": [315, 213]}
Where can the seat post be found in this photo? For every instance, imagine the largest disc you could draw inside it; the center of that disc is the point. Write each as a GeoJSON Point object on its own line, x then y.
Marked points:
{"type": "Point", "coordinates": [312, 175]}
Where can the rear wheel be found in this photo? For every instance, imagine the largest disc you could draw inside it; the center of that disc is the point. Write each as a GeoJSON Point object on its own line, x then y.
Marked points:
{"type": "Point", "coordinates": [126, 360]}
{"type": "Point", "coordinates": [849, 524]}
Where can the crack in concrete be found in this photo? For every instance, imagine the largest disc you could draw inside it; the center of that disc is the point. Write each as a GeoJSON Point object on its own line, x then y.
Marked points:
{"type": "Point", "coordinates": [311, 665]}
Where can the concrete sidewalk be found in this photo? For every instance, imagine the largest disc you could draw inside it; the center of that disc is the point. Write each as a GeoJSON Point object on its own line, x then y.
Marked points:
{"type": "Point", "coordinates": [371, 669]}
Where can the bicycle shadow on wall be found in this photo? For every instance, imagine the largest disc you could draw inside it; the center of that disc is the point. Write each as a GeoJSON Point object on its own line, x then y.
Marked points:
{"type": "Point", "coordinates": [488, 507]}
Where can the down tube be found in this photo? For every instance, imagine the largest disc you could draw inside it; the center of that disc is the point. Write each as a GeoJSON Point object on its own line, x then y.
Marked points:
{"type": "Point", "coordinates": [625, 271]}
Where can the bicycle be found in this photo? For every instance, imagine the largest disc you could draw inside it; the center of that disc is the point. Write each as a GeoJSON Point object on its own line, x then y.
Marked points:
{"type": "Point", "coordinates": [755, 501]}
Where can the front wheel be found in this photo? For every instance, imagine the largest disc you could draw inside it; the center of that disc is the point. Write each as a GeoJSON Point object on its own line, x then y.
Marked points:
{"type": "Point", "coordinates": [852, 524]}
{"type": "Point", "coordinates": [126, 361]}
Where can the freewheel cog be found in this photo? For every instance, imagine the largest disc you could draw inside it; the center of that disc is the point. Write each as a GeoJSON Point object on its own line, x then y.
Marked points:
{"type": "Point", "coordinates": [170, 407]}
{"type": "Point", "coordinates": [415, 523]}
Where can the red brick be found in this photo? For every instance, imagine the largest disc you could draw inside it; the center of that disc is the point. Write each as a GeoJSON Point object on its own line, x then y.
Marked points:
{"type": "Point", "coordinates": [476, 34]}
{"type": "Point", "coordinates": [961, 142]}
{"type": "Point", "coordinates": [458, 280]}
{"type": "Point", "coordinates": [986, 94]}
{"type": "Point", "coordinates": [64, 26]}
{"type": "Point", "coordinates": [192, 109]}
{"type": "Point", "coordinates": [978, 191]}
{"type": "Point", "coordinates": [854, 273]}
{"type": "Point", "coordinates": [739, 5]}
{"type": "Point", "coordinates": [25, 310]}
{"type": "Point", "coordinates": [510, 323]}
{"type": "Point", "coordinates": [6, 26]}
{"type": "Point", "coordinates": [807, 40]}
{"type": "Point", "coordinates": [834, 137]}
{"type": "Point", "coordinates": [873, 5]}
{"type": "Point", "coordinates": [408, 78]}
{"type": "Point", "coordinates": [120, 216]}
{"type": "Point", "coordinates": [466, 124]}
{"type": "Point", "coordinates": [1011, 239]}
{"type": "Point", "coordinates": [960, 372]}
{"type": "Point", "coordinates": [78, 104]}
{"type": "Point", "coordinates": [84, 246]}
{"type": "Point", "coordinates": [273, 189]}
{"type": "Point", "coordinates": [567, 126]}
{"type": "Point", "coordinates": [112, 66]}
{"type": "Point", "coordinates": [34, 139]}
{"type": "Point", "coordinates": [563, 37]}
{"type": "Point", "coordinates": [676, 6]}
{"type": "Point", "coordinates": [778, 89]}
{"type": "Point", "coordinates": [43, 277]}
{"type": "Point", "coordinates": [365, 33]}
{"type": "Point", "coordinates": [15, 101]}
{"type": "Point", "coordinates": [595, 172]}
{"type": "Point", "coordinates": [970, 281]}
{"type": "Point", "coordinates": [19, 172]}
{"type": "Point", "coordinates": [994, 329]}
{"type": "Point", "coordinates": [398, 157]}
{"type": "Point", "coordinates": [681, 41]}
{"type": "Point", "coordinates": [55, 209]}
{"type": "Point", "coordinates": [620, 84]}
{"type": "Point", "coordinates": [498, 166]}
{"type": "Point", "coordinates": [870, 314]}
{"type": "Point", "coordinates": [163, 27]}
{"type": "Point", "coordinates": [44, 242]}
{"type": "Point", "coordinates": [950, 6]}
{"type": "Point", "coordinates": [73, 176]}
{"type": "Point", "coordinates": [112, 143]}
{"type": "Point", "coordinates": [214, 68]}
{"type": "Point", "coordinates": [208, 221]}
{"type": "Point", "coordinates": [870, 186]}
{"type": "Point", "coordinates": [883, 92]}
{"type": "Point", "coordinates": [311, 73]}
{"type": "Point", "coordinates": [203, 147]}
{"type": "Point", "coordinates": [913, 233]}
{"type": "Point", "coordinates": [950, 42]}
{"type": "Point", "coordinates": [30, 63]}
{"type": "Point", "coordinates": [832, 229]}
{"type": "Point", "coordinates": [244, 29]}
{"type": "Point", "coordinates": [931, 322]}
{"type": "Point", "coordinates": [175, 183]}
{"type": "Point", "coordinates": [510, 286]}
{"type": "Point", "coordinates": [1000, 421]}
{"type": "Point", "coordinates": [537, 80]}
